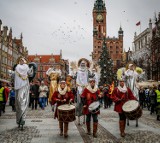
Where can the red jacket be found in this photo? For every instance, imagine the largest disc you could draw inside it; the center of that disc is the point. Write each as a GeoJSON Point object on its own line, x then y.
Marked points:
{"type": "Point", "coordinates": [89, 98]}
{"type": "Point", "coordinates": [57, 96]}
{"type": "Point", "coordinates": [117, 96]}
{"type": "Point", "coordinates": [6, 91]}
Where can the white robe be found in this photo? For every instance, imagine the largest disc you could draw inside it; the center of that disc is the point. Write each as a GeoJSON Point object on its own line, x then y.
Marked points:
{"type": "Point", "coordinates": [131, 81]}
{"type": "Point", "coordinates": [21, 85]}
{"type": "Point", "coordinates": [81, 81]}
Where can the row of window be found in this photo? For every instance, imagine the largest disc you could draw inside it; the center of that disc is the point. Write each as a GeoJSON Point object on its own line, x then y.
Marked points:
{"type": "Point", "coordinates": [111, 47]}
{"type": "Point", "coordinates": [141, 43]}
{"type": "Point", "coordinates": [3, 69]}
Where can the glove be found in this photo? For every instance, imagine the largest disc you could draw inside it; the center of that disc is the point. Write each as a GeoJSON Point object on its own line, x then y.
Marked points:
{"type": "Point", "coordinates": [119, 101]}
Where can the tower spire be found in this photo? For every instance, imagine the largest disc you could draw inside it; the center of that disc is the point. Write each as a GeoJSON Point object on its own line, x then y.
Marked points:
{"type": "Point", "coordinates": [99, 5]}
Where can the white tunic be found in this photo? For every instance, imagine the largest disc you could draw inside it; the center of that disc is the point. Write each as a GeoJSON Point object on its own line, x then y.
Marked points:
{"type": "Point", "coordinates": [131, 81]}
{"type": "Point", "coordinates": [21, 76]}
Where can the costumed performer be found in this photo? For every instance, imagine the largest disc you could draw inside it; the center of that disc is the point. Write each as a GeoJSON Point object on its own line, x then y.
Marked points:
{"type": "Point", "coordinates": [62, 96]}
{"type": "Point", "coordinates": [120, 95]}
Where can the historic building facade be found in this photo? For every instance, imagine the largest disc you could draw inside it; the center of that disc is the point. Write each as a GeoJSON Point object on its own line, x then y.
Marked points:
{"type": "Point", "coordinates": [10, 50]}
{"type": "Point", "coordinates": [44, 62]}
{"type": "Point", "coordinates": [155, 50]}
{"type": "Point", "coordinates": [141, 50]}
{"type": "Point", "coordinates": [114, 44]}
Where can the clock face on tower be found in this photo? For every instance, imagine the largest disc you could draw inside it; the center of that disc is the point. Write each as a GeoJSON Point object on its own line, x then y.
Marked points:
{"type": "Point", "coordinates": [99, 17]}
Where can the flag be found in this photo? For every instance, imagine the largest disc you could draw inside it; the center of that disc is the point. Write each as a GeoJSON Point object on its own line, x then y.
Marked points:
{"type": "Point", "coordinates": [138, 23]}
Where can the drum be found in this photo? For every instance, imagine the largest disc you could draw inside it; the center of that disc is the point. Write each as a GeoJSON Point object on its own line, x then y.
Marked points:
{"type": "Point", "coordinates": [66, 113]}
{"type": "Point", "coordinates": [94, 107]}
{"type": "Point", "coordinates": [132, 110]}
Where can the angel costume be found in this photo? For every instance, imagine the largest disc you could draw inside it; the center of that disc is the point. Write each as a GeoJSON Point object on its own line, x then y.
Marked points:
{"type": "Point", "coordinates": [82, 82]}
{"type": "Point", "coordinates": [22, 87]}
{"type": "Point", "coordinates": [131, 80]}
{"type": "Point", "coordinates": [53, 75]}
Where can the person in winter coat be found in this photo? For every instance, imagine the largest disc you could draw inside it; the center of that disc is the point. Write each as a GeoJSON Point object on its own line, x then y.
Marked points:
{"type": "Point", "coordinates": [91, 94]}
{"type": "Point", "coordinates": [120, 95]}
{"type": "Point", "coordinates": [62, 96]}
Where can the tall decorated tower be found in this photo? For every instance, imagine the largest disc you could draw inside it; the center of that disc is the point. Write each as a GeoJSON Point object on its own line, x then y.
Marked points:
{"type": "Point", "coordinates": [114, 44]}
{"type": "Point", "coordinates": [99, 28]}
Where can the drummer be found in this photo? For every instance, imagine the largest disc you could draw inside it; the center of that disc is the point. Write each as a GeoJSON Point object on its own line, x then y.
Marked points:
{"type": "Point", "coordinates": [120, 95]}
{"type": "Point", "coordinates": [91, 94]}
{"type": "Point", "coordinates": [63, 95]}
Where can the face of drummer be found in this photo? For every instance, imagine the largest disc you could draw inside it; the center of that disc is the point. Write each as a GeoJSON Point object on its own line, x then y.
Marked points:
{"type": "Point", "coordinates": [62, 85]}
{"type": "Point", "coordinates": [92, 83]}
{"type": "Point", "coordinates": [121, 83]}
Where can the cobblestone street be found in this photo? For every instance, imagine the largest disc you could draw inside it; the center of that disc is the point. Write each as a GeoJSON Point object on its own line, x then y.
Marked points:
{"type": "Point", "coordinates": [41, 127]}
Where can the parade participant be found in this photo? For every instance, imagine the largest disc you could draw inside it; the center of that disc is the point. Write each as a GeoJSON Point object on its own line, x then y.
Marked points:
{"type": "Point", "coordinates": [2, 98]}
{"type": "Point", "coordinates": [131, 77]}
{"type": "Point", "coordinates": [63, 95]}
{"type": "Point", "coordinates": [81, 82]}
{"type": "Point", "coordinates": [91, 94]}
{"type": "Point", "coordinates": [95, 75]}
{"type": "Point", "coordinates": [6, 91]}
{"type": "Point", "coordinates": [53, 76]}
{"type": "Point", "coordinates": [34, 94]}
{"type": "Point", "coordinates": [158, 102]}
{"type": "Point", "coordinates": [152, 96]}
{"type": "Point", "coordinates": [43, 89]}
{"type": "Point", "coordinates": [120, 95]}
{"type": "Point", "coordinates": [69, 81]}
{"type": "Point", "coordinates": [21, 86]}
{"type": "Point", "coordinates": [141, 97]}
{"type": "Point", "coordinates": [12, 99]}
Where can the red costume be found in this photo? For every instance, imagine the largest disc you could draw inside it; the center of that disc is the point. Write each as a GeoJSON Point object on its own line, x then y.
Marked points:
{"type": "Point", "coordinates": [120, 95]}
{"type": "Point", "coordinates": [90, 95]}
{"type": "Point", "coordinates": [62, 96]}
{"type": "Point", "coordinates": [120, 98]}
{"type": "Point", "coordinates": [57, 97]}
{"type": "Point", "coordinates": [89, 98]}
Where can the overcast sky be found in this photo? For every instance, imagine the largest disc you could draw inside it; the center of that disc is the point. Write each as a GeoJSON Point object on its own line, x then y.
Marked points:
{"type": "Point", "coordinates": [51, 25]}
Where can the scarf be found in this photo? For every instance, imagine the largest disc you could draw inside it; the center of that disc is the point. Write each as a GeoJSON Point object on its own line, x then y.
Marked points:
{"type": "Point", "coordinates": [62, 91]}
{"type": "Point", "coordinates": [122, 89]}
{"type": "Point", "coordinates": [92, 90]}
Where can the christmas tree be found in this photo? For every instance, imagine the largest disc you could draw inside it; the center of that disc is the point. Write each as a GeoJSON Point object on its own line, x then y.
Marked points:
{"type": "Point", "coordinates": [107, 74]}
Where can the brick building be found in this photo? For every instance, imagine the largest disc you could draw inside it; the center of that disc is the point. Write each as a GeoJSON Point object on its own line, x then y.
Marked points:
{"type": "Point", "coordinates": [44, 62]}
{"type": "Point", "coordinates": [10, 50]}
{"type": "Point", "coordinates": [155, 50]}
{"type": "Point", "coordinates": [114, 44]}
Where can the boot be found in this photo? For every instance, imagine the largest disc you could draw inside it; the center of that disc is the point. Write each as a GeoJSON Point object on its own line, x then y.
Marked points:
{"type": "Point", "coordinates": [66, 129]}
{"type": "Point", "coordinates": [61, 128]}
{"type": "Point", "coordinates": [88, 128]}
{"type": "Point", "coordinates": [95, 125]}
{"type": "Point", "coordinates": [122, 127]}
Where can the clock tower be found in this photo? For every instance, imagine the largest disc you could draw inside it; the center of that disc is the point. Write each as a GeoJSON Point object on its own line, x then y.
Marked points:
{"type": "Point", "coordinates": [114, 44]}
{"type": "Point", "coordinates": [99, 28]}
